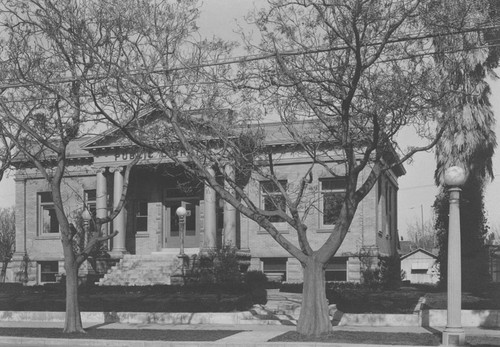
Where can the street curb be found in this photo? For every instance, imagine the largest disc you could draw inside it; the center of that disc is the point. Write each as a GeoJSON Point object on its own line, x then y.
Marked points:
{"type": "Point", "coordinates": [261, 316]}
{"type": "Point", "coordinates": [9, 341]}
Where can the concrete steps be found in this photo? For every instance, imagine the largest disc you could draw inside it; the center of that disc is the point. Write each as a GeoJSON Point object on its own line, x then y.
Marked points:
{"type": "Point", "coordinates": [143, 270]}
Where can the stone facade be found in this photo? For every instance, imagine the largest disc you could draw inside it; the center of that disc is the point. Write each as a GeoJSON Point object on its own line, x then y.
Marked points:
{"type": "Point", "coordinates": [147, 224]}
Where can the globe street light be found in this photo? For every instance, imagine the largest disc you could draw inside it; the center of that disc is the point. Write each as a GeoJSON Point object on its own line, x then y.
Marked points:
{"type": "Point", "coordinates": [181, 213]}
{"type": "Point", "coordinates": [454, 334]}
{"type": "Point", "coordinates": [86, 216]}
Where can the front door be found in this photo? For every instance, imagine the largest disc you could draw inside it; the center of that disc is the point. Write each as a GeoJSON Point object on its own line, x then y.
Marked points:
{"type": "Point", "coordinates": [171, 232]}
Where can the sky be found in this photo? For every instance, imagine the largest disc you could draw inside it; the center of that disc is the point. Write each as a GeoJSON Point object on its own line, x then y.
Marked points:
{"type": "Point", "coordinates": [416, 189]}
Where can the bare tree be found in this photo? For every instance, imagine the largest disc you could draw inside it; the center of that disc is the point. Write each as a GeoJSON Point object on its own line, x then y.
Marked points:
{"type": "Point", "coordinates": [7, 238]}
{"type": "Point", "coordinates": [424, 235]}
{"type": "Point", "coordinates": [7, 216]}
{"type": "Point", "coordinates": [43, 109]}
{"type": "Point", "coordinates": [342, 78]}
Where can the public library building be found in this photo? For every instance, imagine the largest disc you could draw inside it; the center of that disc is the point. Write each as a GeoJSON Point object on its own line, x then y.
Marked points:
{"type": "Point", "coordinates": [148, 226]}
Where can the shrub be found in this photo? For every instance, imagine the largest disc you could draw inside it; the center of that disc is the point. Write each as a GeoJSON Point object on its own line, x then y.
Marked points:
{"type": "Point", "coordinates": [371, 277]}
{"type": "Point", "coordinates": [218, 266]}
{"type": "Point", "coordinates": [243, 259]}
{"type": "Point", "coordinates": [226, 266]}
{"type": "Point", "coordinates": [156, 298]}
{"type": "Point", "coordinates": [245, 302]}
{"type": "Point", "coordinates": [291, 287]}
{"type": "Point", "coordinates": [8, 287]}
{"type": "Point", "coordinates": [259, 295]}
{"type": "Point", "coordinates": [338, 292]}
{"type": "Point", "coordinates": [257, 282]}
{"type": "Point", "coordinates": [255, 279]}
{"type": "Point", "coordinates": [390, 272]}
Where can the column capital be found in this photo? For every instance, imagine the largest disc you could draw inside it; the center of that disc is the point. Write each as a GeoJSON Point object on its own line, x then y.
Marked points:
{"type": "Point", "coordinates": [115, 169]}
{"type": "Point", "coordinates": [101, 169]}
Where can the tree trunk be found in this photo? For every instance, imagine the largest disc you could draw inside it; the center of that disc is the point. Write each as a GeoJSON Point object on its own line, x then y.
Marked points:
{"type": "Point", "coordinates": [314, 318]}
{"type": "Point", "coordinates": [73, 323]}
{"type": "Point", "coordinates": [5, 263]}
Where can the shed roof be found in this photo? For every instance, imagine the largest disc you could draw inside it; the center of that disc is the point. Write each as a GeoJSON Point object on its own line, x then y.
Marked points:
{"type": "Point", "coordinates": [417, 251]}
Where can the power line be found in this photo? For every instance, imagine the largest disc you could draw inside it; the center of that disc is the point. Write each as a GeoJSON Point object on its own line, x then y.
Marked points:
{"type": "Point", "coordinates": [20, 85]}
{"type": "Point", "coordinates": [421, 186]}
{"type": "Point", "coordinates": [247, 59]}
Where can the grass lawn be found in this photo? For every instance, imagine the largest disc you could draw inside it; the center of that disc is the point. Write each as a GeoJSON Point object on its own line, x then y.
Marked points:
{"type": "Point", "coordinates": [489, 300]}
{"type": "Point", "coordinates": [368, 337]}
{"type": "Point", "coordinates": [385, 339]}
{"type": "Point", "coordinates": [123, 334]}
{"type": "Point", "coordinates": [359, 337]}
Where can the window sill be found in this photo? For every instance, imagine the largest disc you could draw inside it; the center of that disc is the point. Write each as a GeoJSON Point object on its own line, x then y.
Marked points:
{"type": "Point", "coordinates": [281, 230]}
{"type": "Point", "coordinates": [48, 237]}
{"type": "Point", "coordinates": [325, 229]}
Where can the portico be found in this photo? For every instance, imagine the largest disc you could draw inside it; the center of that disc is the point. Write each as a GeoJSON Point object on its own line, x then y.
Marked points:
{"type": "Point", "coordinates": [147, 222]}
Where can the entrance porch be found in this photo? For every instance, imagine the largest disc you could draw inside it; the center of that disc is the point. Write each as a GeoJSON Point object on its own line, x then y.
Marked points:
{"type": "Point", "coordinates": [148, 239]}
{"type": "Point", "coordinates": [148, 222]}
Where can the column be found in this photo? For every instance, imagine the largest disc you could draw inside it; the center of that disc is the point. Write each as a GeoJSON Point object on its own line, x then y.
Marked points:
{"type": "Point", "coordinates": [382, 227]}
{"type": "Point", "coordinates": [245, 228]}
{"type": "Point", "coordinates": [20, 241]}
{"type": "Point", "coordinates": [102, 198]}
{"type": "Point", "coordinates": [119, 223]}
{"type": "Point", "coordinates": [210, 216]}
{"type": "Point", "coordinates": [229, 232]}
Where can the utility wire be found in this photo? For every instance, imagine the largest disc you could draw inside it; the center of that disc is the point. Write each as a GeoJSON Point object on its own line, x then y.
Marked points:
{"type": "Point", "coordinates": [247, 59]}
{"type": "Point", "coordinates": [20, 85]}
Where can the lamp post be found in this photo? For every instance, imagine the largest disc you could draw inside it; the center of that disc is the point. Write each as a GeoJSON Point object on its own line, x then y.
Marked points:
{"type": "Point", "coordinates": [181, 213]}
{"type": "Point", "coordinates": [454, 334]}
{"type": "Point", "coordinates": [86, 216]}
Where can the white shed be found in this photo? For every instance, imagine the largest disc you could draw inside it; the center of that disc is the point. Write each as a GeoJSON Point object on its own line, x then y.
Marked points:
{"type": "Point", "coordinates": [419, 266]}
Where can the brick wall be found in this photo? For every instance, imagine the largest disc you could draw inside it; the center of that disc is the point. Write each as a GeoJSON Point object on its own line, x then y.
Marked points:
{"type": "Point", "coordinates": [363, 232]}
{"type": "Point", "coordinates": [39, 246]}
{"type": "Point", "coordinates": [148, 185]}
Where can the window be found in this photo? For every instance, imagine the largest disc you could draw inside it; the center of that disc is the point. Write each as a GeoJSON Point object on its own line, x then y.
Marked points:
{"type": "Point", "coordinates": [275, 268]}
{"type": "Point", "coordinates": [47, 219]}
{"type": "Point", "coordinates": [332, 192]}
{"type": "Point", "coordinates": [419, 268]}
{"type": "Point", "coordinates": [272, 199]}
{"type": "Point", "coordinates": [48, 271]}
{"type": "Point", "coordinates": [336, 270]}
{"type": "Point", "coordinates": [141, 216]}
{"type": "Point", "coordinates": [90, 205]}
{"type": "Point", "coordinates": [90, 200]}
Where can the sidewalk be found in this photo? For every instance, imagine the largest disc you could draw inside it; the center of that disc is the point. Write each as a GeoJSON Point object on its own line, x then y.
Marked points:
{"type": "Point", "coordinates": [245, 335]}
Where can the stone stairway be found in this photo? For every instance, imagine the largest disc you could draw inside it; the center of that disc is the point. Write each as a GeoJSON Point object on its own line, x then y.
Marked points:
{"type": "Point", "coordinates": [144, 270]}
